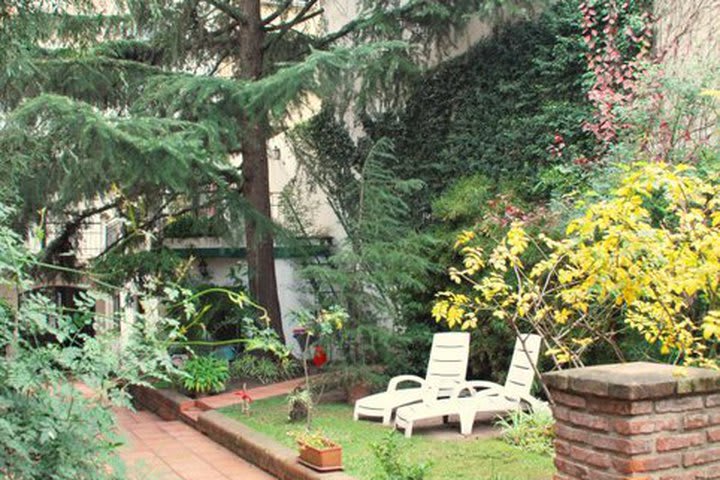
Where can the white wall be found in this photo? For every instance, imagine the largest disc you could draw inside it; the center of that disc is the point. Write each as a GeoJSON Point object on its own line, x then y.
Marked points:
{"type": "Point", "coordinates": [290, 287]}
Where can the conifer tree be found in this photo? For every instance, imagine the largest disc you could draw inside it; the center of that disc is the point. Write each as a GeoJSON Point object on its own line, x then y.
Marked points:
{"type": "Point", "coordinates": [137, 107]}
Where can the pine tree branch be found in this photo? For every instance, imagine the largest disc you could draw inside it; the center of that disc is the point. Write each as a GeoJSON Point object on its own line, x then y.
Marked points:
{"type": "Point", "coordinates": [221, 58]}
{"type": "Point", "coordinates": [280, 10]}
{"type": "Point", "coordinates": [229, 10]}
{"type": "Point", "coordinates": [283, 28]}
{"type": "Point", "coordinates": [297, 19]}
{"type": "Point", "coordinates": [161, 213]}
{"type": "Point", "coordinates": [70, 229]}
{"type": "Point", "coordinates": [367, 20]}
{"type": "Point", "coordinates": [287, 26]}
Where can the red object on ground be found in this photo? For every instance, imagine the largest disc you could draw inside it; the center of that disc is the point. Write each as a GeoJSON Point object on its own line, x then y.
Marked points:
{"type": "Point", "coordinates": [320, 357]}
{"type": "Point", "coordinates": [244, 395]}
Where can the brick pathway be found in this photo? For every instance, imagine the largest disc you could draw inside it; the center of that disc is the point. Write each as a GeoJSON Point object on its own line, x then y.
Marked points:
{"type": "Point", "coordinates": [160, 450]}
{"type": "Point", "coordinates": [229, 398]}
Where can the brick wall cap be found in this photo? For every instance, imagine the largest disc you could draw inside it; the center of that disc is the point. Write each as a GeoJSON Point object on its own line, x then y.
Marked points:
{"type": "Point", "coordinates": [634, 381]}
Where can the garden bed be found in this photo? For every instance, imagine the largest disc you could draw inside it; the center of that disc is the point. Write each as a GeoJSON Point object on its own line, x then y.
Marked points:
{"type": "Point", "coordinates": [471, 459]}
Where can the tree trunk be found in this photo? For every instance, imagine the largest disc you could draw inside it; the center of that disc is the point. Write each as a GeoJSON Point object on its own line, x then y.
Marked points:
{"type": "Point", "coordinates": [256, 186]}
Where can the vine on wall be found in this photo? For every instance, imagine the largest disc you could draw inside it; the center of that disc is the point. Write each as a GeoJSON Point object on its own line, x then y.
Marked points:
{"type": "Point", "coordinates": [618, 37]}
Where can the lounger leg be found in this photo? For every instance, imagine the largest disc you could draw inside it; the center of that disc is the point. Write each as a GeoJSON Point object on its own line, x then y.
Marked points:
{"type": "Point", "coordinates": [356, 415]}
{"type": "Point", "coordinates": [408, 429]}
{"type": "Point", "coordinates": [446, 419]}
{"type": "Point", "coordinates": [387, 415]}
{"type": "Point", "coordinates": [467, 419]}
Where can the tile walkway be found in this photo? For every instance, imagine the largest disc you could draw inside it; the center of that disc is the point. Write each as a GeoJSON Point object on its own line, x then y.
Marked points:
{"type": "Point", "coordinates": [160, 450]}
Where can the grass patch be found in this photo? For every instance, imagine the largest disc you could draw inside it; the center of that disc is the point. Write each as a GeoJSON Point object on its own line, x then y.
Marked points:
{"type": "Point", "coordinates": [457, 460]}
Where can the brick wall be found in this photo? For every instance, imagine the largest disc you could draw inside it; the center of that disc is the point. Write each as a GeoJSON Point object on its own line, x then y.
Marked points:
{"type": "Point", "coordinates": [636, 421]}
{"type": "Point", "coordinates": [166, 404]}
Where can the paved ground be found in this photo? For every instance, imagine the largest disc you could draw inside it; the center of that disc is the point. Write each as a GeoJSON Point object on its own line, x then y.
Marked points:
{"type": "Point", "coordinates": [229, 398]}
{"type": "Point", "coordinates": [160, 450]}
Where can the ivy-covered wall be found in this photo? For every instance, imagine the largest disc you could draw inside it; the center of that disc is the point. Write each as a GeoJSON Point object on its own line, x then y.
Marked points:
{"type": "Point", "coordinates": [496, 109]}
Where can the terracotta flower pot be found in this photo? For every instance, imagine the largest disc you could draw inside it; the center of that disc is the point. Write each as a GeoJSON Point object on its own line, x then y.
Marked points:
{"type": "Point", "coordinates": [322, 459]}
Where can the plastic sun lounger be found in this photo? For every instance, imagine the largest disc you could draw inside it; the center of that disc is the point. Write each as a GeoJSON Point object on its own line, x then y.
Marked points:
{"type": "Point", "coordinates": [447, 367]}
{"type": "Point", "coordinates": [465, 401]}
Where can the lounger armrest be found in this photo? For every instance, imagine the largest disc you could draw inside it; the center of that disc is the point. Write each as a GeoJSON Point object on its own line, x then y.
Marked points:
{"type": "Point", "coordinates": [535, 404]}
{"type": "Point", "coordinates": [463, 387]}
{"type": "Point", "coordinates": [395, 381]}
{"type": "Point", "coordinates": [477, 384]}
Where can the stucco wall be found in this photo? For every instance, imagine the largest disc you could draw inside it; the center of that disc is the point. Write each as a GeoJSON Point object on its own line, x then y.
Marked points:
{"type": "Point", "coordinates": [688, 34]}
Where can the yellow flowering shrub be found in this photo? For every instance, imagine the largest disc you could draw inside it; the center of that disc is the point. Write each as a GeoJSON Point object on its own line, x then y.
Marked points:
{"type": "Point", "coordinates": [647, 258]}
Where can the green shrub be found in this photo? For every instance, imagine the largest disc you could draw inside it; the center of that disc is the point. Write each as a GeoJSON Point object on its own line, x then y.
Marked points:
{"type": "Point", "coordinates": [531, 431]}
{"type": "Point", "coordinates": [387, 452]}
{"type": "Point", "coordinates": [49, 427]}
{"type": "Point", "coordinates": [262, 369]}
{"type": "Point", "coordinates": [192, 226]}
{"type": "Point", "coordinates": [205, 374]}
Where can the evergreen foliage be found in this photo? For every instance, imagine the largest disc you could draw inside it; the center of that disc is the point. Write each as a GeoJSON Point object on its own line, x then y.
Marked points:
{"type": "Point", "coordinates": [383, 259]}
{"type": "Point", "coordinates": [495, 109]}
{"type": "Point", "coordinates": [138, 112]}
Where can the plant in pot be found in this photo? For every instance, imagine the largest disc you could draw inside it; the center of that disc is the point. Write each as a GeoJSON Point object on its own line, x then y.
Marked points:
{"type": "Point", "coordinates": [357, 381]}
{"type": "Point", "coordinates": [361, 381]}
{"type": "Point", "coordinates": [202, 375]}
{"type": "Point", "coordinates": [318, 452]}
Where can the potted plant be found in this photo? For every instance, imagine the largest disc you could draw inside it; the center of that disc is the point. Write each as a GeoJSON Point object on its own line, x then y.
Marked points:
{"type": "Point", "coordinates": [355, 381]}
{"type": "Point", "coordinates": [318, 452]}
{"type": "Point", "coordinates": [360, 382]}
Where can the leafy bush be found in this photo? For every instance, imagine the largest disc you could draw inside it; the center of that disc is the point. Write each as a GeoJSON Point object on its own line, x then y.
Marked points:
{"type": "Point", "coordinates": [262, 369]}
{"type": "Point", "coordinates": [531, 431]}
{"type": "Point", "coordinates": [387, 453]}
{"type": "Point", "coordinates": [300, 404]}
{"type": "Point", "coordinates": [191, 226]}
{"type": "Point", "coordinates": [49, 428]}
{"type": "Point", "coordinates": [205, 374]}
{"type": "Point", "coordinates": [222, 318]}
{"type": "Point", "coordinates": [642, 260]}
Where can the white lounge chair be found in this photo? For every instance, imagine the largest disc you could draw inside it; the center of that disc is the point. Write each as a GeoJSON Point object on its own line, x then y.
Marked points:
{"type": "Point", "coordinates": [447, 367]}
{"type": "Point", "coordinates": [466, 401]}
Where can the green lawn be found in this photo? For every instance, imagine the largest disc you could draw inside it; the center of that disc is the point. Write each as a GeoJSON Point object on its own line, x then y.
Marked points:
{"type": "Point", "coordinates": [456, 460]}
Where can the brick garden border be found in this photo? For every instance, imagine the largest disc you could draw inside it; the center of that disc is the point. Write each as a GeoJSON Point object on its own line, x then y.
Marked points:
{"type": "Point", "coordinates": [164, 402]}
{"type": "Point", "coordinates": [259, 449]}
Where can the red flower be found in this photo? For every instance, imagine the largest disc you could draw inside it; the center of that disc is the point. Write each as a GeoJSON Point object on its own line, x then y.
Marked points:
{"type": "Point", "coordinates": [320, 357]}
{"type": "Point", "coordinates": [244, 396]}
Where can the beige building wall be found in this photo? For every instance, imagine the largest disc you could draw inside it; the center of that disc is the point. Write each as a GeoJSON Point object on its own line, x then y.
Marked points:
{"type": "Point", "coordinates": [688, 34]}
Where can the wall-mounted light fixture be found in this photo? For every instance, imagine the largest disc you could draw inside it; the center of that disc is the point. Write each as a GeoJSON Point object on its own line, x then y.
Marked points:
{"type": "Point", "coordinates": [275, 153]}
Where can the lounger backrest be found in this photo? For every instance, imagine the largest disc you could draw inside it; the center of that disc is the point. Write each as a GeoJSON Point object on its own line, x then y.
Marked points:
{"type": "Point", "coordinates": [521, 374]}
{"type": "Point", "coordinates": [448, 359]}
